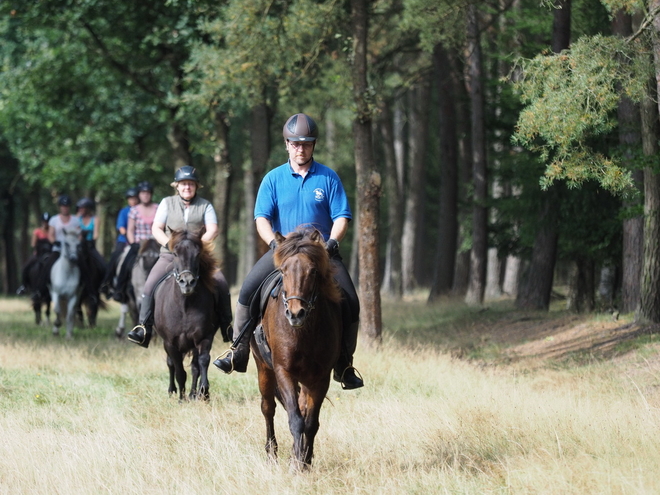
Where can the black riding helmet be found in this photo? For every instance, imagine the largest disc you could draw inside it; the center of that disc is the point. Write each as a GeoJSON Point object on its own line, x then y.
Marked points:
{"type": "Point", "coordinates": [132, 192]}
{"type": "Point", "coordinates": [64, 200]}
{"type": "Point", "coordinates": [145, 185]}
{"type": "Point", "coordinates": [300, 127]}
{"type": "Point", "coordinates": [85, 203]}
{"type": "Point", "coordinates": [186, 172]}
{"type": "Point", "coordinates": [45, 216]}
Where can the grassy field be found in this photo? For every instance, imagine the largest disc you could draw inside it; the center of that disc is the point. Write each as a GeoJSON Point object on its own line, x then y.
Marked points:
{"type": "Point", "coordinates": [456, 401]}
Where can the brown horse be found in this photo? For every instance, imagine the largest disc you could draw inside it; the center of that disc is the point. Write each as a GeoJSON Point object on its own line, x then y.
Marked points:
{"type": "Point", "coordinates": [185, 315]}
{"type": "Point", "coordinates": [303, 330]}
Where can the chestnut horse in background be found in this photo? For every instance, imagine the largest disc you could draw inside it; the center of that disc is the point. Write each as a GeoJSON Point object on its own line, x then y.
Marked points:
{"type": "Point", "coordinates": [302, 328]}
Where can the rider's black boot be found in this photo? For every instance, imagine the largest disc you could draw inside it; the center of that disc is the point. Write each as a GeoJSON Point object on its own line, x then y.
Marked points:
{"type": "Point", "coordinates": [141, 334]}
{"type": "Point", "coordinates": [344, 372]}
{"type": "Point", "coordinates": [236, 358]}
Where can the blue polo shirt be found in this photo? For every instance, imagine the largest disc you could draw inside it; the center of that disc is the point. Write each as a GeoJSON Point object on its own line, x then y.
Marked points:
{"type": "Point", "coordinates": [122, 221]}
{"type": "Point", "coordinates": [289, 200]}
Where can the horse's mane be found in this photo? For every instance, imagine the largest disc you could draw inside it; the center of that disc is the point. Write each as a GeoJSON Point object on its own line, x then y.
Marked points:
{"type": "Point", "coordinates": [309, 242]}
{"type": "Point", "coordinates": [207, 262]}
{"type": "Point", "coordinates": [149, 244]}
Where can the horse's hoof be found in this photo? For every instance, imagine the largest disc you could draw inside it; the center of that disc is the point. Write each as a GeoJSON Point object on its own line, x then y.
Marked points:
{"type": "Point", "coordinates": [119, 332]}
{"type": "Point", "coordinates": [56, 332]}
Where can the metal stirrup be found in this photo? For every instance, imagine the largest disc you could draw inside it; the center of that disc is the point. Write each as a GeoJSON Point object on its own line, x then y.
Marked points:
{"type": "Point", "coordinates": [224, 355]}
{"type": "Point", "coordinates": [341, 379]}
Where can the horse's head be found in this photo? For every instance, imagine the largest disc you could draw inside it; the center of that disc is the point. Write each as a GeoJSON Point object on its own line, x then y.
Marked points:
{"type": "Point", "coordinates": [305, 266]}
{"type": "Point", "coordinates": [69, 245]}
{"type": "Point", "coordinates": [186, 248]}
{"type": "Point", "coordinates": [148, 253]}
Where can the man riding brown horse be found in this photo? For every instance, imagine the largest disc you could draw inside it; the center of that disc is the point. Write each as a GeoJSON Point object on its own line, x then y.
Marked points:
{"type": "Point", "coordinates": [299, 192]}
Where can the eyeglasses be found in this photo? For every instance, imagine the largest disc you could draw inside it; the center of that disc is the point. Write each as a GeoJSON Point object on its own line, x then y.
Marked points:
{"type": "Point", "coordinates": [301, 144]}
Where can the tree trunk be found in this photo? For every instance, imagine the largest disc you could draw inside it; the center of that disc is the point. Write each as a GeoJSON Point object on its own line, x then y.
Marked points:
{"type": "Point", "coordinates": [448, 212]}
{"type": "Point", "coordinates": [223, 176]}
{"type": "Point", "coordinates": [511, 276]}
{"type": "Point", "coordinates": [418, 133]}
{"type": "Point", "coordinates": [462, 267]}
{"type": "Point", "coordinates": [477, 280]}
{"type": "Point", "coordinates": [536, 287]}
{"type": "Point", "coordinates": [11, 271]}
{"type": "Point", "coordinates": [582, 288]}
{"type": "Point", "coordinates": [649, 309]}
{"type": "Point", "coordinates": [368, 179]}
{"type": "Point", "coordinates": [392, 282]}
{"type": "Point", "coordinates": [633, 228]}
{"type": "Point", "coordinates": [253, 170]}
{"type": "Point", "coordinates": [179, 143]}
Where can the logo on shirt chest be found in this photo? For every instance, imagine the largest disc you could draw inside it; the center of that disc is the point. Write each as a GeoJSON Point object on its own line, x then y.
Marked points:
{"type": "Point", "coordinates": [319, 194]}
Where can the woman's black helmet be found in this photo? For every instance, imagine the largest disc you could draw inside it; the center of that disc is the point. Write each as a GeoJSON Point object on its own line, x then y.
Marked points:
{"type": "Point", "coordinates": [145, 185]}
{"type": "Point", "coordinates": [131, 192]}
{"type": "Point", "coordinates": [64, 200]}
{"type": "Point", "coordinates": [186, 172]}
{"type": "Point", "coordinates": [45, 216]}
{"type": "Point", "coordinates": [300, 127]}
{"type": "Point", "coordinates": [85, 203]}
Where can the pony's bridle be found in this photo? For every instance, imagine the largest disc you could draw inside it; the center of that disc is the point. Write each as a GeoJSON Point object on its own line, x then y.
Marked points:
{"type": "Point", "coordinates": [308, 303]}
{"type": "Point", "coordinates": [178, 275]}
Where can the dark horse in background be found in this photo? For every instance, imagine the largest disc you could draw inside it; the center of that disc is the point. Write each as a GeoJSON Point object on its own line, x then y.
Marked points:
{"type": "Point", "coordinates": [93, 268]}
{"type": "Point", "coordinates": [184, 313]}
{"type": "Point", "coordinates": [32, 275]}
{"type": "Point", "coordinates": [146, 259]}
{"type": "Point", "coordinates": [302, 328]}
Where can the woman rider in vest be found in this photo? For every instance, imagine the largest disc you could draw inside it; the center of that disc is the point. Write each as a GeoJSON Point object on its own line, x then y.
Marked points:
{"type": "Point", "coordinates": [183, 211]}
{"type": "Point", "coordinates": [299, 192]}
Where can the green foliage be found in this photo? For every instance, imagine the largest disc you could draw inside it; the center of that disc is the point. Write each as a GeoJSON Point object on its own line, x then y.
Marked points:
{"type": "Point", "coordinates": [573, 96]}
{"type": "Point", "coordinates": [437, 21]}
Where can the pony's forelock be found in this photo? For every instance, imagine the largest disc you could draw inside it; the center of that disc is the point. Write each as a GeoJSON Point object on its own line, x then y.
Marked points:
{"type": "Point", "coordinates": [300, 241]}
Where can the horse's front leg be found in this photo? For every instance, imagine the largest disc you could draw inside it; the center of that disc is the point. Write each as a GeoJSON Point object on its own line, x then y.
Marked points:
{"type": "Point", "coordinates": [121, 325]}
{"type": "Point", "coordinates": [170, 365]}
{"type": "Point", "coordinates": [289, 394]}
{"type": "Point", "coordinates": [179, 370]}
{"type": "Point", "coordinates": [204, 387]}
{"type": "Point", "coordinates": [36, 307]}
{"type": "Point", "coordinates": [46, 302]}
{"type": "Point", "coordinates": [72, 304]}
{"type": "Point", "coordinates": [58, 316]}
{"type": "Point", "coordinates": [194, 368]}
{"type": "Point", "coordinates": [267, 386]}
{"type": "Point", "coordinates": [310, 402]}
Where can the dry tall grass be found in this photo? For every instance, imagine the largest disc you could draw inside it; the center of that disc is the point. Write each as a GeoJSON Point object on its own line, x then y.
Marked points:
{"type": "Point", "coordinates": [93, 416]}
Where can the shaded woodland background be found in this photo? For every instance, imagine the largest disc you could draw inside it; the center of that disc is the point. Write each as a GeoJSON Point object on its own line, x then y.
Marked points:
{"type": "Point", "coordinates": [490, 148]}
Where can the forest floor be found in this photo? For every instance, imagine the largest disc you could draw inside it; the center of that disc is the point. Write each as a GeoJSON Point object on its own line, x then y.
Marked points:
{"type": "Point", "coordinates": [501, 335]}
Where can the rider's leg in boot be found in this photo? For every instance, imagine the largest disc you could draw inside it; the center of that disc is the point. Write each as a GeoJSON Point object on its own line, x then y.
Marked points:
{"type": "Point", "coordinates": [236, 358]}
{"type": "Point", "coordinates": [223, 309]}
{"type": "Point", "coordinates": [122, 277]}
{"type": "Point", "coordinates": [344, 370]}
{"type": "Point", "coordinates": [141, 334]}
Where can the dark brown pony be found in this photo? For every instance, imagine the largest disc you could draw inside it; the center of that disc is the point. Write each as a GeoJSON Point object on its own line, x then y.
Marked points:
{"type": "Point", "coordinates": [303, 330]}
{"type": "Point", "coordinates": [184, 314]}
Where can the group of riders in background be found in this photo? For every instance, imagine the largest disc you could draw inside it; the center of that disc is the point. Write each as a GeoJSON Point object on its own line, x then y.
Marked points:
{"type": "Point", "coordinates": [133, 225]}
{"type": "Point", "coordinates": [300, 192]}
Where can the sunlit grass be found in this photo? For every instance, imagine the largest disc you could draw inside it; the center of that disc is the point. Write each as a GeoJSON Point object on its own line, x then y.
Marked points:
{"type": "Point", "coordinates": [93, 415]}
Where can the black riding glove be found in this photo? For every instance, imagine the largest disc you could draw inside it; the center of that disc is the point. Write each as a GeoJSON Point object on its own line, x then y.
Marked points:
{"type": "Point", "coordinates": [332, 247]}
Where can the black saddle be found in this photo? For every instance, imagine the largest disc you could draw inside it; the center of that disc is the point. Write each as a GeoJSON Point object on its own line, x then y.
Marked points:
{"type": "Point", "coordinates": [269, 289]}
